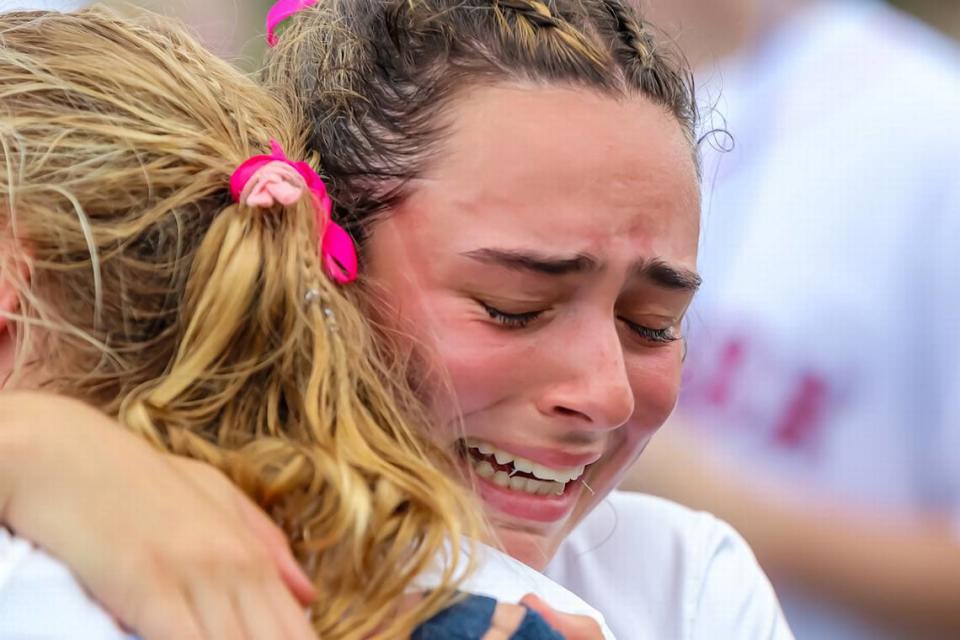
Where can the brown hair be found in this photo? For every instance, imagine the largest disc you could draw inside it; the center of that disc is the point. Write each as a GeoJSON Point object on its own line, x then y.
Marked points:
{"type": "Point", "coordinates": [375, 77]}
{"type": "Point", "coordinates": [152, 295]}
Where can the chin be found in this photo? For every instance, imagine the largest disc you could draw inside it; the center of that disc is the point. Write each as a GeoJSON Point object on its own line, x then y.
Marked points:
{"type": "Point", "coordinates": [533, 548]}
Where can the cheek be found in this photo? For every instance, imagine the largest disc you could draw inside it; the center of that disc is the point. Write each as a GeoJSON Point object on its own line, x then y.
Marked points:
{"type": "Point", "coordinates": [458, 368]}
{"type": "Point", "coordinates": [482, 372]}
{"type": "Point", "coordinates": [655, 383]}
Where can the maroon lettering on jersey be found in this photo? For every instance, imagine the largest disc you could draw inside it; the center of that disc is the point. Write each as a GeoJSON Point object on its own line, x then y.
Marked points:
{"type": "Point", "coordinates": [802, 416]}
{"type": "Point", "coordinates": [719, 390]}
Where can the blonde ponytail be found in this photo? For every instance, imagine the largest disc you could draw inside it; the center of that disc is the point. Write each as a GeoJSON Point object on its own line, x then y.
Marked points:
{"type": "Point", "coordinates": [209, 327]}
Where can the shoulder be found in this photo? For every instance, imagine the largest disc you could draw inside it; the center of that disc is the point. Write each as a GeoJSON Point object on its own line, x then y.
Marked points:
{"type": "Point", "coordinates": [627, 525]}
{"type": "Point", "coordinates": [498, 576]}
{"type": "Point", "coordinates": [657, 569]}
{"type": "Point", "coordinates": [40, 599]}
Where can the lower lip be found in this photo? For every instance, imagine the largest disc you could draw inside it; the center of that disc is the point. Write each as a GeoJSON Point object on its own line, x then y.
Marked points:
{"type": "Point", "coordinates": [528, 506]}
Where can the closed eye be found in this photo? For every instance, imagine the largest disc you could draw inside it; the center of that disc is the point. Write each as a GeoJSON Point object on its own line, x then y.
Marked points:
{"type": "Point", "coordinates": [522, 320]}
{"type": "Point", "coordinates": [511, 320]}
{"type": "Point", "coordinates": [650, 334]}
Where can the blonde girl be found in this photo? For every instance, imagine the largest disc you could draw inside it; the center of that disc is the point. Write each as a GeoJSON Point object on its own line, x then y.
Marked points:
{"type": "Point", "coordinates": [208, 322]}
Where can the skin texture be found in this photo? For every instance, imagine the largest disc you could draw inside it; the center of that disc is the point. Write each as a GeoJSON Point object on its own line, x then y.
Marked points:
{"type": "Point", "coordinates": [577, 382]}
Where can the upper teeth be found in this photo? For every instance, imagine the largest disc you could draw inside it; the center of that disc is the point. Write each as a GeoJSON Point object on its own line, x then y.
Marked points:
{"type": "Point", "coordinates": [527, 466]}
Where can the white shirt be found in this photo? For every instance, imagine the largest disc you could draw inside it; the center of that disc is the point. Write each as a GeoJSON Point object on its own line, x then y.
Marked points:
{"type": "Point", "coordinates": [824, 343]}
{"type": "Point", "coordinates": [41, 600]}
{"type": "Point", "coordinates": [497, 575]}
{"type": "Point", "coordinates": [655, 569]}
{"type": "Point", "coordinates": [659, 571]}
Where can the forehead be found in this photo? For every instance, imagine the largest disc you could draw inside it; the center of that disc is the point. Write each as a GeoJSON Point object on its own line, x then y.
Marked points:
{"type": "Point", "coordinates": [522, 163]}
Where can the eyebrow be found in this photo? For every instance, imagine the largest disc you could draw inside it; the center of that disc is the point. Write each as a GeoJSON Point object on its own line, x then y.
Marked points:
{"type": "Point", "coordinates": [669, 276]}
{"type": "Point", "coordinates": [657, 271]}
{"type": "Point", "coordinates": [534, 262]}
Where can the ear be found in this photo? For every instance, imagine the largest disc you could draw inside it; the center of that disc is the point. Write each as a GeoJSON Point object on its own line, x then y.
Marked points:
{"type": "Point", "coordinates": [9, 304]}
{"type": "Point", "coordinates": [8, 346]}
{"type": "Point", "coordinates": [9, 300]}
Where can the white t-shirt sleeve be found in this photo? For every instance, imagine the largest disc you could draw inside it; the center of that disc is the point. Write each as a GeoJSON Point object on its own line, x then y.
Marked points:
{"type": "Point", "coordinates": [41, 600]}
{"type": "Point", "coordinates": [657, 570]}
{"type": "Point", "coordinates": [734, 597]}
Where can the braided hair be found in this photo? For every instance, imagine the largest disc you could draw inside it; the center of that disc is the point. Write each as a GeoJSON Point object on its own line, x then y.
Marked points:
{"type": "Point", "coordinates": [374, 77]}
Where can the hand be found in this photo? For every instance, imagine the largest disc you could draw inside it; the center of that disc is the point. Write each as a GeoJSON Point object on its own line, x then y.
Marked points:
{"type": "Point", "coordinates": [572, 627]}
{"type": "Point", "coordinates": [460, 620]}
{"type": "Point", "coordinates": [168, 546]}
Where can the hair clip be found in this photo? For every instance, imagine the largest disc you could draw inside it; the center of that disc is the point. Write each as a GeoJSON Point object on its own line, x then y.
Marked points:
{"type": "Point", "coordinates": [312, 296]}
{"type": "Point", "coordinates": [315, 295]}
{"type": "Point", "coordinates": [280, 12]}
{"type": "Point", "coordinates": [266, 180]}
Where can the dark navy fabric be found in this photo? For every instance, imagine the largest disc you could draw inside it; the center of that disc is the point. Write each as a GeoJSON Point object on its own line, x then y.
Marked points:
{"type": "Point", "coordinates": [534, 627]}
{"type": "Point", "coordinates": [470, 620]}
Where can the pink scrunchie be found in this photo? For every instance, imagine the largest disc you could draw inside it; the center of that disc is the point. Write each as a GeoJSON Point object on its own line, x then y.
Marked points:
{"type": "Point", "coordinates": [267, 180]}
{"type": "Point", "coordinates": [280, 11]}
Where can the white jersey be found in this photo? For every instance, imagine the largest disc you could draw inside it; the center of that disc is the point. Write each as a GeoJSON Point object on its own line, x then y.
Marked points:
{"type": "Point", "coordinates": [505, 579]}
{"type": "Point", "coordinates": [824, 344]}
{"type": "Point", "coordinates": [659, 571]}
{"type": "Point", "coordinates": [40, 599]}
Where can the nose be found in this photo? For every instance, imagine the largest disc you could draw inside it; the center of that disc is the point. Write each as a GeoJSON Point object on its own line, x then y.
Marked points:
{"type": "Point", "coordinates": [590, 380]}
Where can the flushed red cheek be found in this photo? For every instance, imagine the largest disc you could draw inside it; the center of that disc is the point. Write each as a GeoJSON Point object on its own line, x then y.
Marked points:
{"type": "Point", "coordinates": [656, 384]}
{"type": "Point", "coordinates": [655, 389]}
{"type": "Point", "coordinates": [485, 375]}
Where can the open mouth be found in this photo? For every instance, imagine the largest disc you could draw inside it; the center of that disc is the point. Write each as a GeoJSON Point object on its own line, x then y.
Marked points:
{"type": "Point", "coordinates": [517, 473]}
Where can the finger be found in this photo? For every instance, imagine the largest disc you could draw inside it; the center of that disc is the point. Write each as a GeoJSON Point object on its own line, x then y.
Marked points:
{"type": "Point", "coordinates": [579, 627]}
{"type": "Point", "coordinates": [551, 615]}
{"type": "Point", "coordinates": [573, 627]}
{"type": "Point", "coordinates": [169, 616]}
{"type": "Point", "coordinates": [284, 619]}
{"type": "Point", "coordinates": [273, 538]}
{"type": "Point", "coordinates": [299, 625]}
{"type": "Point", "coordinates": [218, 487]}
{"type": "Point", "coordinates": [214, 609]}
{"type": "Point", "coordinates": [506, 620]}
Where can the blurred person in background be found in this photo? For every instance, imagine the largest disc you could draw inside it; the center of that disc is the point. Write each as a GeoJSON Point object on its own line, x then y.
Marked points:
{"type": "Point", "coordinates": [820, 413]}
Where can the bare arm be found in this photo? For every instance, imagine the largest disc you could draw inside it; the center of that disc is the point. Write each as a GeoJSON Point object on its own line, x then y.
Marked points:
{"type": "Point", "coordinates": [113, 509]}
{"type": "Point", "coordinates": [902, 569]}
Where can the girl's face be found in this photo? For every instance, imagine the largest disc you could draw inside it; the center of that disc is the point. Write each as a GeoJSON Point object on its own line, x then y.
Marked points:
{"type": "Point", "coordinates": [546, 260]}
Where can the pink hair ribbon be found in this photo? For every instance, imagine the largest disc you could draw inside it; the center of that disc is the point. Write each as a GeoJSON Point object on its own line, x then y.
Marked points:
{"type": "Point", "coordinates": [280, 11]}
{"type": "Point", "coordinates": [266, 180]}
